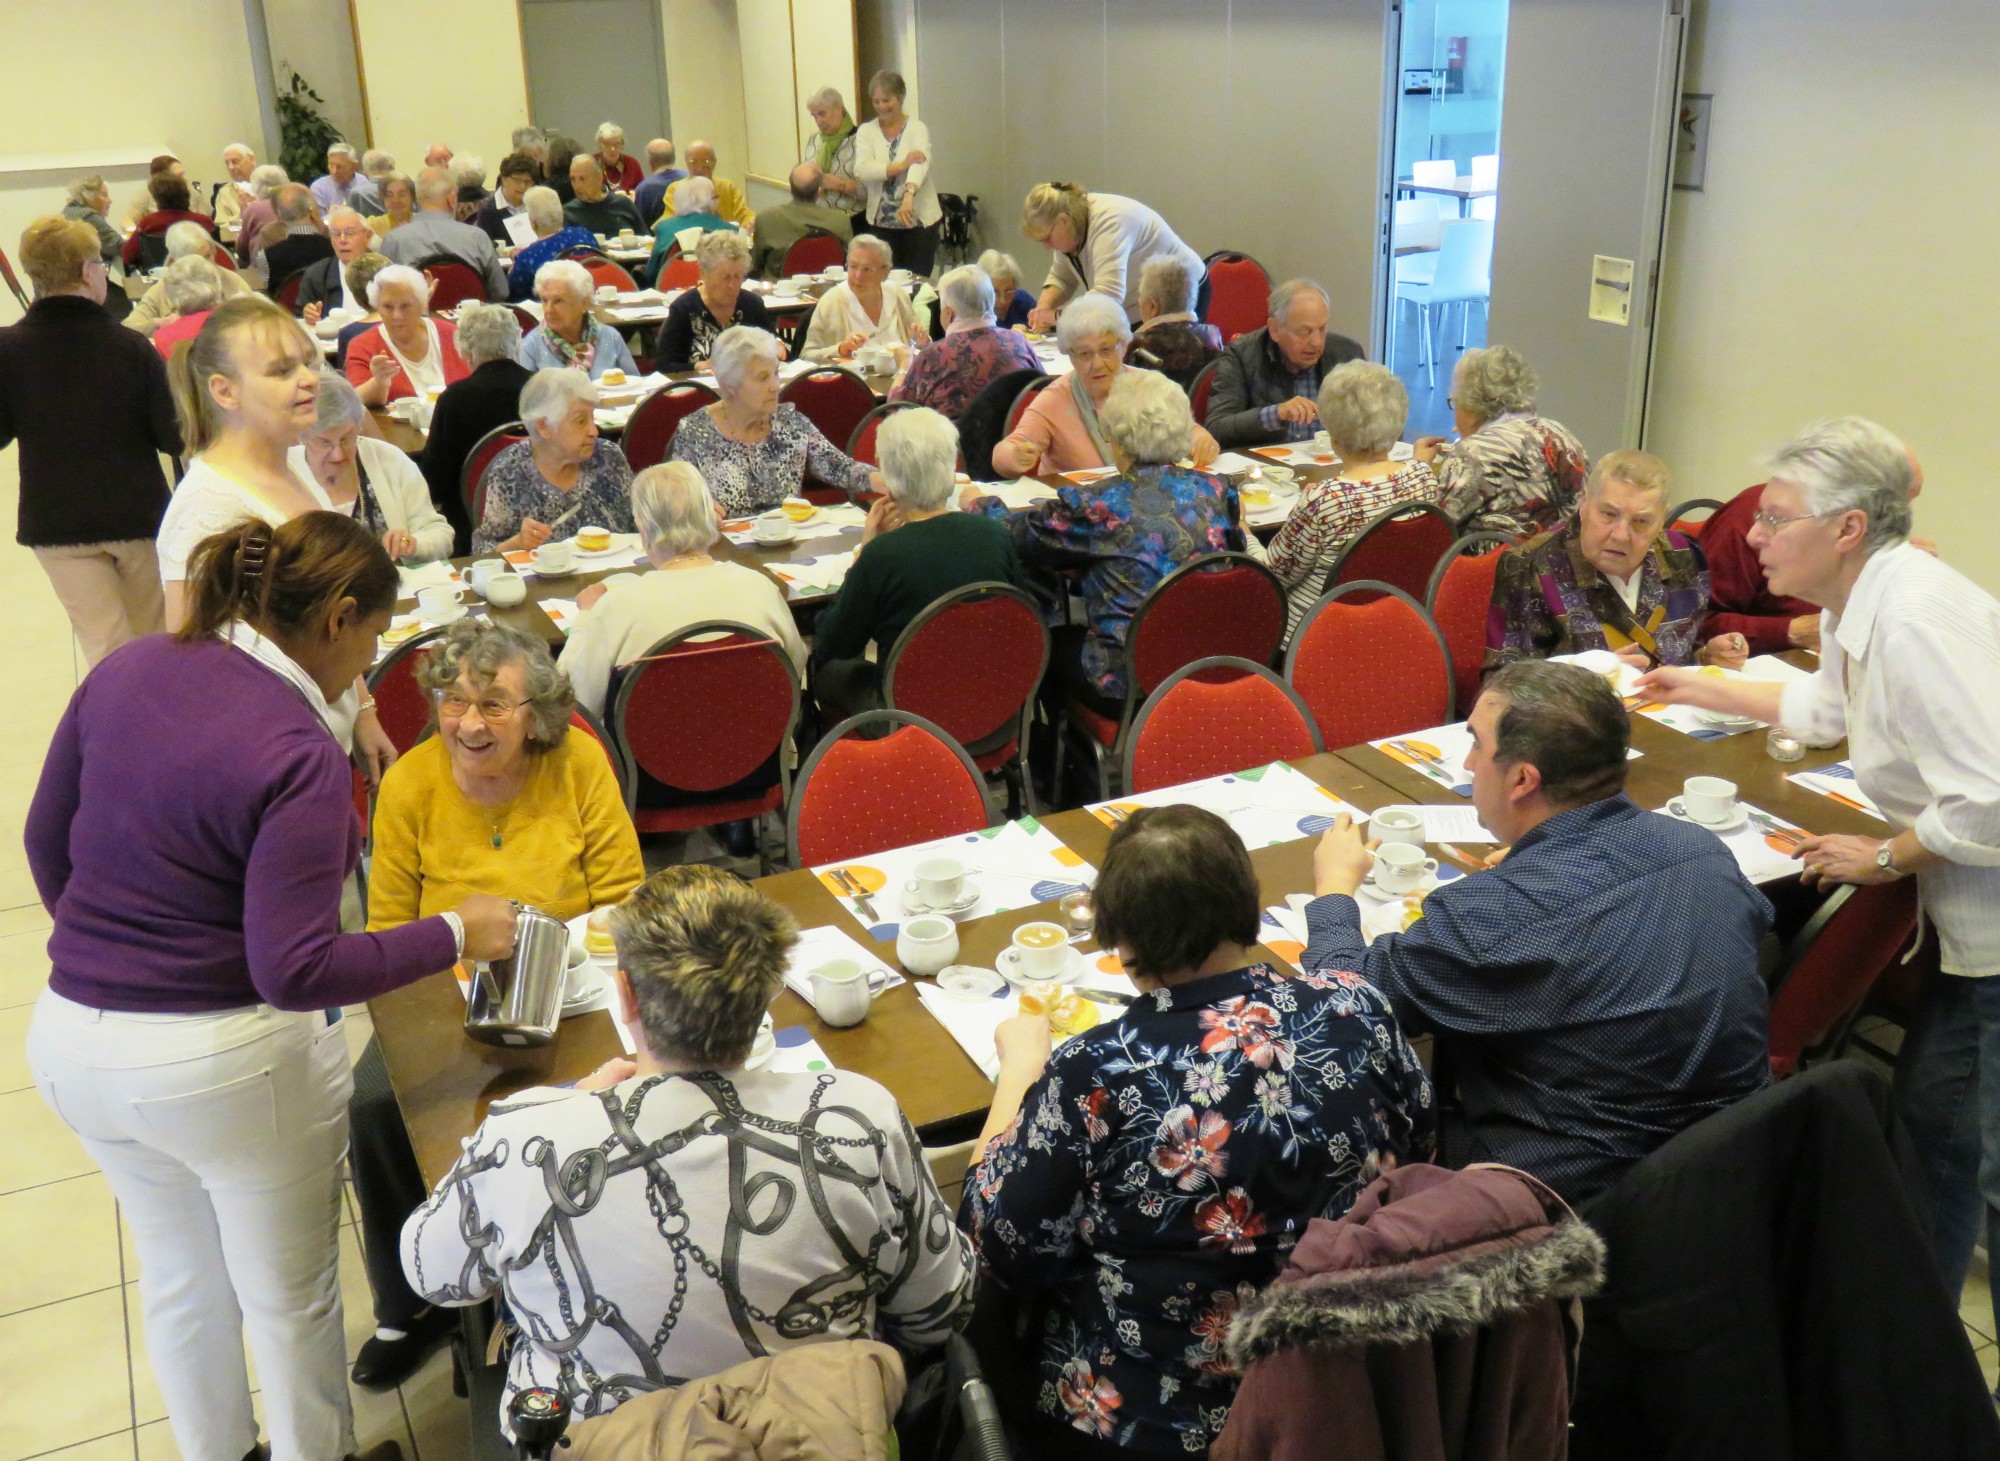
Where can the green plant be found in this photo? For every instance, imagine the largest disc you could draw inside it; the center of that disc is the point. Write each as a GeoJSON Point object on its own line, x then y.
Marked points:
{"type": "Point", "coordinates": [306, 133]}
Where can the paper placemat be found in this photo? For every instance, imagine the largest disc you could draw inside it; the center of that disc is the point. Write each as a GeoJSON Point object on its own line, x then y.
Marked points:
{"type": "Point", "coordinates": [1014, 865]}
{"type": "Point", "coordinates": [1837, 782]}
{"type": "Point", "coordinates": [1692, 722]}
{"type": "Point", "coordinates": [1762, 846]}
{"type": "Point", "coordinates": [1265, 804]}
{"type": "Point", "coordinates": [1020, 493]}
{"type": "Point", "coordinates": [820, 946]}
{"type": "Point", "coordinates": [1084, 476]}
{"type": "Point", "coordinates": [826, 522]}
{"type": "Point", "coordinates": [971, 1023]}
{"type": "Point", "coordinates": [821, 575]}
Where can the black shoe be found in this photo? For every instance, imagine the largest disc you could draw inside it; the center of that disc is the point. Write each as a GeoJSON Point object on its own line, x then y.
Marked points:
{"type": "Point", "coordinates": [739, 838]}
{"type": "Point", "coordinates": [383, 1364]}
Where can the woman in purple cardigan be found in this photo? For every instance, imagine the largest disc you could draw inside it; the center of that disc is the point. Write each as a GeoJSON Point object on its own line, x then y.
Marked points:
{"type": "Point", "coordinates": [195, 882]}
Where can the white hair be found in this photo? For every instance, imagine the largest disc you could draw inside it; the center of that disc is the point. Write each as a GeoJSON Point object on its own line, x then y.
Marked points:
{"type": "Point", "coordinates": [238, 147]}
{"type": "Point", "coordinates": [544, 208]}
{"type": "Point", "coordinates": [694, 195]}
{"type": "Point", "coordinates": [333, 213]}
{"type": "Point", "coordinates": [868, 243]}
{"type": "Point", "coordinates": [84, 189]}
{"type": "Point", "coordinates": [468, 171]}
{"type": "Point", "coordinates": [1493, 380]}
{"type": "Point", "coordinates": [827, 96]}
{"type": "Point", "coordinates": [673, 509]}
{"type": "Point", "coordinates": [266, 178]}
{"type": "Point", "coordinates": [404, 275]}
{"type": "Point", "coordinates": [721, 246]}
{"type": "Point", "coordinates": [968, 292]}
{"type": "Point", "coordinates": [997, 264]}
{"type": "Point", "coordinates": [571, 275]}
{"type": "Point", "coordinates": [919, 451]}
{"type": "Point", "coordinates": [1088, 316]}
{"type": "Point", "coordinates": [607, 130]}
{"type": "Point", "coordinates": [1148, 415]}
{"type": "Point", "coordinates": [525, 137]}
{"type": "Point", "coordinates": [375, 162]}
{"type": "Point", "coordinates": [188, 239]}
{"type": "Point", "coordinates": [343, 149]}
{"type": "Point", "coordinates": [434, 185]}
{"type": "Point", "coordinates": [1165, 281]}
{"type": "Point", "coordinates": [192, 284]}
{"type": "Point", "coordinates": [338, 405]}
{"type": "Point", "coordinates": [1280, 303]}
{"type": "Point", "coordinates": [549, 394]}
{"type": "Point", "coordinates": [734, 350]}
{"type": "Point", "coordinates": [1363, 407]}
{"type": "Point", "coordinates": [487, 332]}
{"type": "Point", "coordinates": [1850, 464]}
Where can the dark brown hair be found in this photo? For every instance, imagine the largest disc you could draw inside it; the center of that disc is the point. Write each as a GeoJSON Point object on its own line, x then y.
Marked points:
{"type": "Point", "coordinates": [1176, 885]}
{"type": "Point", "coordinates": [169, 190]}
{"type": "Point", "coordinates": [1567, 723]}
{"type": "Point", "coordinates": [516, 165]}
{"type": "Point", "coordinates": [284, 580]}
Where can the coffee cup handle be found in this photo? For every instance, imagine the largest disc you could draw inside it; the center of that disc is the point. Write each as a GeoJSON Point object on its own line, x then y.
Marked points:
{"type": "Point", "coordinates": [1430, 867]}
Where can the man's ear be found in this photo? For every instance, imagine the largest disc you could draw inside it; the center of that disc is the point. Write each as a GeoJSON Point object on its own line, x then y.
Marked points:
{"type": "Point", "coordinates": [1524, 780]}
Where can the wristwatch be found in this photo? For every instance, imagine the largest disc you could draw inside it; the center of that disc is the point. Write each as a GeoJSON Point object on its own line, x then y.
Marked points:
{"type": "Point", "coordinates": [1885, 858]}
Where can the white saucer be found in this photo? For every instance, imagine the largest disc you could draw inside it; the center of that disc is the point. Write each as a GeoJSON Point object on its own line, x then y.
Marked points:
{"type": "Point", "coordinates": [791, 536]}
{"type": "Point", "coordinates": [1739, 816]}
{"type": "Point", "coordinates": [969, 982]}
{"type": "Point", "coordinates": [967, 901]}
{"type": "Point", "coordinates": [1380, 895]}
{"type": "Point", "coordinates": [543, 571]}
{"type": "Point", "coordinates": [1007, 960]}
{"type": "Point", "coordinates": [449, 616]}
{"type": "Point", "coordinates": [1721, 720]}
{"type": "Point", "coordinates": [596, 998]}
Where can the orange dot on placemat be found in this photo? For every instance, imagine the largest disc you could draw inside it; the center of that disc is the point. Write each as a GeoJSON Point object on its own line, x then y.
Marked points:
{"type": "Point", "coordinates": [1110, 964]}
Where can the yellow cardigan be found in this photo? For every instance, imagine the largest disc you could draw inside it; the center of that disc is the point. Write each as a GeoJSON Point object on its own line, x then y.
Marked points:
{"type": "Point", "coordinates": [568, 845]}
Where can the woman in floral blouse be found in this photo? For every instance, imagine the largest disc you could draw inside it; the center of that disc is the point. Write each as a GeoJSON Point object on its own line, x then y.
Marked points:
{"type": "Point", "coordinates": [561, 478]}
{"type": "Point", "coordinates": [1510, 471]}
{"type": "Point", "coordinates": [1148, 1175]}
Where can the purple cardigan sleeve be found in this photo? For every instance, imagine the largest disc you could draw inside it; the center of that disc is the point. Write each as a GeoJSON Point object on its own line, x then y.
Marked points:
{"type": "Point", "coordinates": [53, 810]}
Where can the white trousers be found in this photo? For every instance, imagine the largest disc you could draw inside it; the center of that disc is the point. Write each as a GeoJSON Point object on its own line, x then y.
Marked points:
{"type": "Point", "coordinates": [222, 1136]}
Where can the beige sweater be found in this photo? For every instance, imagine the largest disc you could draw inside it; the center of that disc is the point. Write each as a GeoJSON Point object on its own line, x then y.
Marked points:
{"type": "Point", "coordinates": [152, 310]}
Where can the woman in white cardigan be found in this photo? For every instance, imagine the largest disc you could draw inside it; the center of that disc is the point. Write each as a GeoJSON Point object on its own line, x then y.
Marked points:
{"type": "Point", "coordinates": [892, 159]}
{"type": "Point", "coordinates": [367, 478]}
{"type": "Point", "coordinates": [866, 310]}
{"type": "Point", "coordinates": [1101, 243]}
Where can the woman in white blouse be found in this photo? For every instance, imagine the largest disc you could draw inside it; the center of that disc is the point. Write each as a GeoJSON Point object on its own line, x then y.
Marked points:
{"type": "Point", "coordinates": [892, 158]}
{"type": "Point", "coordinates": [1909, 672]}
{"type": "Point", "coordinates": [367, 479]}
{"type": "Point", "coordinates": [1101, 243]}
{"type": "Point", "coordinates": [866, 310]}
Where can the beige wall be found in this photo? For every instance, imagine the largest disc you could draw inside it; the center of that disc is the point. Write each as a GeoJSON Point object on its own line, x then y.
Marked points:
{"type": "Point", "coordinates": [1842, 256]}
{"type": "Point", "coordinates": [317, 38]}
{"type": "Point", "coordinates": [705, 80]}
{"type": "Point", "coordinates": [442, 71]}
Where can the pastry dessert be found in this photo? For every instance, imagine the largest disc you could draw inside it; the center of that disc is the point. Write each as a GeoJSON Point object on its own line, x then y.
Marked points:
{"type": "Point", "coordinates": [597, 933]}
{"type": "Point", "coordinates": [593, 539]}
{"type": "Point", "coordinates": [612, 377]}
{"type": "Point", "coordinates": [1069, 1012]}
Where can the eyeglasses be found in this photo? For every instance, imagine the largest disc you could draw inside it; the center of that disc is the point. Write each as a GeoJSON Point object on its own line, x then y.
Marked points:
{"type": "Point", "coordinates": [492, 710]}
{"type": "Point", "coordinates": [1771, 524]}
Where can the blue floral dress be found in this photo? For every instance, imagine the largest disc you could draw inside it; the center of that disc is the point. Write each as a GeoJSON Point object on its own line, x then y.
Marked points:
{"type": "Point", "coordinates": [1163, 1166]}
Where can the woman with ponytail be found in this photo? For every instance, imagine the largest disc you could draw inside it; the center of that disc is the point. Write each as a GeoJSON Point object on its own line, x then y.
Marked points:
{"type": "Point", "coordinates": [195, 880]}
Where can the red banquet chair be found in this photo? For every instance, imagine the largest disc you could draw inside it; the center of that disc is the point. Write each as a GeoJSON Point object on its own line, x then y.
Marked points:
{"type": "Point", "coordinates": [1833, 964]}
{"type": "Point", "coordinates": [1458, 599]}
{"type": "Point", "coordinates": [472, 476]}
{"type": "Point", "coordinates": [813, 254]}
{"type": "Point", "coordinates": [1690, 517]}
{"type": "Point", "coordinates": [1369, 663]}
{"type": "Point", "coordinates": [1021, 402]}
{"type": "Point", "coordinates": [453, 282]}
{"type": "Point", "coordinates": [1195, 725]}
{"type": "Point", "coordinates": [1198, 394]}
{"type": "Point", "coordinates": [1239, 294]}
{"type": "Point", "coordinates": [1221, 604]}
{"type": "Point", "coordinates": [702, 710]}
{"type": "Point", "coordinates": [604, 271]}
{"type": "Point", "coordinates": [997, 628]}
{"type": "Point", "coordinates": [1398, 546]}
{"type": "Point", "coordinates": [288, 292]}
{"type": "Point", "coordinates": [649, 435]}
{"type": "Point", "coordinates": [861, 445]}
{"type": "Point", "coordinates": [401, 705]}
{"type": "Point", "coordinates": [858, 795]}
{"type": "Point", "coordinates": [836, 400]}
{"type": "Point", "coordinates": [678, 272]}
{"type": "Point", "coordinates": [14, 282]}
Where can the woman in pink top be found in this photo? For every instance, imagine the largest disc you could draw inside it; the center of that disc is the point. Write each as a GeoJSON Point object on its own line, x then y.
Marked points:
{"type": "Point", "coordinates": [1059, 431]}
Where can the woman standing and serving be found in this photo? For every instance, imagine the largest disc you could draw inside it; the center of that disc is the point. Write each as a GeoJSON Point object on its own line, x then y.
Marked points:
{"type": "Point", "coordinates": [561, 478]}
{"type": "Point", "coordinates": [195, 882]}
{"type": "Point", "coordinates": [865, 310]}
{"type": "Point", "coordinates": [1101, 243]}
{"type": "Point", "coordinates": [892, 158]}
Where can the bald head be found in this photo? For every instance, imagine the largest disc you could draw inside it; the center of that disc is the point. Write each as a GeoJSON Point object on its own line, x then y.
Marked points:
{"type": "Point", "coordinates": [586, 176]}
{"type": "Point", "coordinates": [701, 160]}
{"type": "Point", "coordinates": [292, 203]}
{"type": "Point", "coordinates": [438, 154]}
{"type": "Point", "coordinates": [659, 155]}
{"type": "Point", "coordinates": [805, 182]}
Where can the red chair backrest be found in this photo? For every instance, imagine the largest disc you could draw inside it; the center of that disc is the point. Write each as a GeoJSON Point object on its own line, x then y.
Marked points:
{"type": "Point", "coordinates": [605, 271]}
{"type": "Point", "coordinates": [288, 292]}
{"type": "Point", "coordinates": [832, 398]}
{"type": "Point", "coordinates": [1204, 383]}
{"type": "Point", "coordinates": [14, 283]}
{"type": "Point", "coordinates": [1239, 295]}
{"type": "Point", "coordinates": [1369, 663]}
{"type": "Point", "coordinates": [529, 323]}
{"type": "Point", "coordinates": [1197, 724]}
{"type": "Point", "coordinates": [1690, 517]}
{"type": "Point", "coordinates": [1857, 943]}
{"type": "Point", "coordinates": [859, 796]}
{"type": "Point", "coordinates": [224, 260]}
{"type": "Point", "coordinates": [1399, 546]}
{"type": "Point", "coordinates": [1021, 402]}
{"type": "Point", "coordinates": [400, 702]}
{"type": "Point", "coordinates": [472, 476]}
{"type": "Point", "coordinates": [813, 254]}
{"type": "Point", "coordinates": [582, 720]}
{"type": "Point", "coordinates": [1459, 600]}
{"type": "Point", "coordinates": [1224, 605]}
{"type": "Point", "coordinates": [452, 283]}
{"type": "Point", "coordinates": [861, 445]}
{"type": "Point", "coordinates": [679, 273]}
{"type": "Point", "coordinates": [930, 670]}
{"type": "Point", "coordinates": [700, 713]}
{"type": "Point", "coordinates": [649, 435]}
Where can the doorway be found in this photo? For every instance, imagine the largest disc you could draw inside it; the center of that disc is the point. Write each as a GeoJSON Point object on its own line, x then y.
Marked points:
{"type": "Point", "coordinates": [596, 61]}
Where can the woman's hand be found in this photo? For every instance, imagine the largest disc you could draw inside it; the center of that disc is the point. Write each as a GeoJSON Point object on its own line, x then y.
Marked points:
{"type": "Point", "coordinates": [1841, 859]}
{"type": "Point", "coordinates": [1025, 455]}
{"type": "Point", "coordinates": [906, 214]}
{"type": "Point", "coordinates": [489, 926]}
{"type": "Point", "coordinates": [969, 496]}
{"type": "Point", "coordinates": [1342, 861]}
{"type": "Point", "coordinates": [533, 534]}
{"type": "Point", "coordinates": [1730, 651]}
{"type": "Point", "coordinates": [1631, 654]}
{"type": "Point", "coordinates": [1427, 448]}
{"type": "Point", "coordinates": [607, 1075]}
{"type": "Point", "coordinates": [1803, 632]}
{"type": "Point", "coordinates": [590, 595]}
{"type": "Point", "coordinates": [374, 752]}
{"type": "Point", "coordinates": [1024, 1042]}
{"type": "Point", "coordinates": [883, 517]}
{"type": "Point", "coordinates": [1205, 448]}
{"type": "Point", "coordinates": [1670, 685]}
{"type": "Point", "coordinates": [399, 544]}
{"type": "Point", "coordinates": [382, 366]}
{"type": "Point", "coordinates": [847, 348]}
{"type": "Point", "coordinates": [1041, 319]}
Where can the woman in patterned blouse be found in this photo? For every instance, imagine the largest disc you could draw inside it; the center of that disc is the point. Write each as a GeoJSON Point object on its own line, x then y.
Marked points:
{"type": "Point", "coordinates": [751, 449]}
{"type": "Point", "coordinates": [1363, 407]}
{"type": "Point", "coordinates": [1510, 471]}
{"type": "Point", "coordinates": [562, 477]}
{"type": "Point", "coordinates": [1144, 1178]}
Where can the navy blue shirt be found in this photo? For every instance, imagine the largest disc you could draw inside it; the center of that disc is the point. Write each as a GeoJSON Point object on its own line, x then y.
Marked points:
{"type": "Point", "coordinates": [651, 194]}
{"type": "Point", "coordinates": [1592, 995]}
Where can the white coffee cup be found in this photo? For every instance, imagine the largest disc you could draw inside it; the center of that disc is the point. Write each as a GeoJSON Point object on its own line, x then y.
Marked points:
{"type": "Point", "coordinates": [506, 591]}
{"type": "Point", "coordinates": [1709, 799]}
{"type": "Point", "coordinates": [556, 556]}
{"type": "Point", "coordinates": [1041, 950]}
{"type": "Point", "coordinates": [940, 882]}
{"type": "Point", "coordinates": [1398, 826]}
{"type": "Point", "coordinates": [440, 603]}
{"type": "Point", "coordinates": [875, 359]}
{"type": "Point", "coordinates": [606, 292]}
{"type": "Point", "coordinates": [772, 527]}
{"type": "Point", "coordinates": [763, 1045]}
{"type": "Point", "coordinates": [482, 573]}
{"type": "Point", "coordinates": [406, 409]}
{"type": "Point", "coordinates": [1401, 868]}
{"type": "Point", "coordinates": [927, 944]}
{"type": "Point", "coordinates": [840, 993]}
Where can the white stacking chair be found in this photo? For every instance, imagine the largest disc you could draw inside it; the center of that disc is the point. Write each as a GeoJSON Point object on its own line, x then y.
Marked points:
{"type": "Point", "coordinates": [1487, 208]}
{"type": "Point", "coordinates": [1462, 276]}
{"type": "Point", "coordinates": [1486, 170]}
{"type": "Point", "coordinates": [1419, 222]}
{"type": "Point", "coordinates": [1441, 173]}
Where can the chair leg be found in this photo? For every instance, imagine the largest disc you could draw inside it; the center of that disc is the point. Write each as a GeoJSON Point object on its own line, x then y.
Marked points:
{"type": "Point", "coordinates": [1430, 344]}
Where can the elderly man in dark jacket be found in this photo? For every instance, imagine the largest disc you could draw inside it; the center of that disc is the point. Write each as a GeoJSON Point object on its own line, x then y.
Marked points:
{"type": "Point", "coordinates": [1267, 382]}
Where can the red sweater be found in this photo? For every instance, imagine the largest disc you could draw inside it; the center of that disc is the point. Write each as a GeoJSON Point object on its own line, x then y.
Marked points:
{"type": "Point", "coordinates": [367, 346]}
{"type": "Point", "coordinates": [158, 222]}
{"type": "Point", "coordinates": [624, 177]}
{"type": "Point", "coordinates": [1739, 600]}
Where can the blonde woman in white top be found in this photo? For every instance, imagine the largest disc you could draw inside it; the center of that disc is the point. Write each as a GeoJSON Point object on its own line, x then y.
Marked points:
{"type": "Point", "coordinates": [1100, 243]}
{"type": "Point", "coordinates": [865, 310]}
{"type": "Point", "coordinates": [893, 160]}
{"type": "Point", "coordinates": [365, 478]}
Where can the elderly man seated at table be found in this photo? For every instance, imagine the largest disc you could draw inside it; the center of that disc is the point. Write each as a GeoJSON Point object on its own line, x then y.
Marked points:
{"type": "Point", "coordinates": [729, 201]}
{"type": "Point", "coordinates": [194, 288]}
{"type": "Point", "coordinates": [593, 205]}
{"type": "Point", "coordinates": [949, 375]}
{"type": "Point", "coordinates": [917, 547]}
{"type": "Point", "coordinates": [1126, 531]}
{"type": "Point", "coordinates": [1267, 384]}
{"type": "Point", "coordinates": [436, 232]}
{"type": "Point", "coordinates": [233, 193]}
{"type": "Point", "coordinates": [365, 478]}
{"type": "Point", "coordinates": [343, 182]}
{"type": "Point", "coordinates": [780, 227]}
{"type": "Point", "coordinates": [1595, 992]}
{"type": "Point", "coordinates": [171, 205]}
{"type": "Point", "coordinates": [1059, 432]}
{"type": "Point", "coordinates": [719, 302]}
{"type": "Point", "coordinates": [650, 197]}
{"type": "Point", "coordinates": [1012, 304]}
{"type": "Point", "coordinates": [561, 478]}
{"type": "Point", "coordinates": [1612, 577]}
{"type": "Point", "coordinates": [689, 218]}
{"type": "Point", "coordinates": [1234, 1103]}
{"type": "Point", "coordinates": [292, 242]}
{"type": "Point", "coordinates": [864, 309]}
{"type": "Point", "coordinates": [409, 353]}
{"type": "Point", "coordinates": [1363, 407]}
{"type": "Point", "coordinates": [1169, 337]}
{"type": "Point", "coordinates": [509, 799]}
{"type": "Point", "coordinates": [185, 240]}
{"type": "Point", "coordinates": [489, 340]}
{"type": "Point", "coordinates": [753, 450]}
{"type": "Point", "coordinates": [569, 334]}
{"type": "Point", "coordinates": [553, 239]}
{"type": "Point", "coordinates": [699, 1115]}
{"type": "Point", "coordinates": [262, 209]}
{"type": "Point", "coordinates": [1510, 471]}
{"type": "Point", "coordinates": [323, 285]}
{"type": "Point", "coordinates": [509, 197]}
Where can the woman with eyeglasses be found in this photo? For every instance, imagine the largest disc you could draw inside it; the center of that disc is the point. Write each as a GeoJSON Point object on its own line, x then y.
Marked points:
{"type": "Point", "coordinates": [508, 799]}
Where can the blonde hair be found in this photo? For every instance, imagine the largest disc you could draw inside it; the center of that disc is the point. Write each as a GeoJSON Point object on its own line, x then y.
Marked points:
{"type": "Point", "coordinates": [212, 352]}
{"type": "Point", "coordinates": [1637, 469]}
{"type": "Point", "coordinates": [1049, 201]}
{"type": "Point", "coordinates": [54, 252]}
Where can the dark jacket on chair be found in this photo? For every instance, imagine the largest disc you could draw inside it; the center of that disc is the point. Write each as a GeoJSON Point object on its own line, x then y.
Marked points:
{"type": "Point", "coordinates": [1771, 1294]}
{"type": "Point", "coordinates": [1426, 1323]}
{"type": "Point", "coordinates": [291, 254]}
{"type": "Point", "coordinates": [319, 283]}
{"type": "Point", "coordinates": [1253, 374]}
{"type": "Point", "coordinates": [985, 421]}
{"type": "Point", "coordinates": [468, 409]}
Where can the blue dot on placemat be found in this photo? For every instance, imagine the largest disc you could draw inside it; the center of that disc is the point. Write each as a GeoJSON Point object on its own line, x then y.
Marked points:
{"type": "Point", "coordinates": [1314, 825]}
{"type": "Point", "coordinates": [885, 932]}
{"type": "Point", "coordinates": [793, 1036]}
{"type": "Point", "coordinates": [1046, 891]}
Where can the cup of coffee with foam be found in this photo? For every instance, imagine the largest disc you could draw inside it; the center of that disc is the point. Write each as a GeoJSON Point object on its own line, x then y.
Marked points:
{"type": "Point", "coordinates": [1041, 951]}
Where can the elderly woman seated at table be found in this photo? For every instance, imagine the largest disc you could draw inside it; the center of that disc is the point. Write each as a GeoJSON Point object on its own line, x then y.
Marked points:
{"type": "Point", "coordinates": [365, 478]}
{"type": "Point", "coordinates": [194, 288]}
{"type": "Point", "coordinates": [553, 239]}
{"type": "Point", "coordinates": [1126, 531]}
{"type": "Point", "coordinates": [720, 302]}
{"type": "Point", "coordinates": [1611, 577]}
{"type": "Point", "coordinates": [399, 204]}
{"type": "Point", "coordinates": [752, 449]}
{"type": "Point", "coordinates": [915, 548]}
{"type": "Point", "coordinates": [489, 337]}
{"type": "Point", "coordinates": [1169, 337]}
{"type": "Point", "coordinates": [90, 202]}
{"type": "Point", "coordinates": [865, 309]}
{"type": "Point", "coordinates": [408, 353]}
{"type": "Point", "coordinates": [262, 209]}
{"type": "Point", "coordinates": [1510, 471]}
{"type": "Point", "coordinates": [872, 1255]}
{"type": "Point", "coordinates": [693, 207]}
{"type": "Point", "coordinates": [561, 478]}
{"type": "Point", "coordinates": [569, 334]}
{"type": "Point", "coordinates": [508, 799]}
{"type": "Point", "coordinates": [1362, 407]}
{"type": "Point", "coordinates": [949, 375]}
{"type": "Point", "coordinates": [1059, 432]}
{"type": "Point", "coordinates": [1012, 303]}
{"type": "Point", "coordinates": [171, 204]}
{"type": "Point", "coordinates": [358, 276]}
{"type": "Point", "coordinates": [1266, 1099]}
{"type": "Point", "coordinates": [184, 241]}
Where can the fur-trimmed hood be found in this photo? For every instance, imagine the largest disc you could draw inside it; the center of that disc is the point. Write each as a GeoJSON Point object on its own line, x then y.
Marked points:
{"type": "Point", "coordinates": [1423, 1251]}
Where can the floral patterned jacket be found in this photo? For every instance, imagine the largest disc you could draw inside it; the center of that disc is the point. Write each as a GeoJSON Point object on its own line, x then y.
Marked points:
{"type": "Point", "coordinates": [1548, 599]}
{"type": "Point", "coordinates": [1163, 1166]}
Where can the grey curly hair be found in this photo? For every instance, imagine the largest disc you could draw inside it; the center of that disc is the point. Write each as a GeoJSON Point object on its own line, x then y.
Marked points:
{"type": "Point", "coordinates": [1493, 381]}
{"type": "Point", "coordinates": [479, 650]}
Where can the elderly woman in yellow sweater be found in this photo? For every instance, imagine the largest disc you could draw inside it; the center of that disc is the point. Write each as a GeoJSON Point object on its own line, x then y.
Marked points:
{"type": "Point", "coordinates": [505, 798]}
